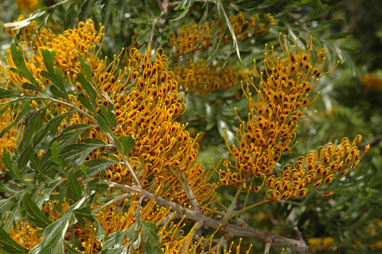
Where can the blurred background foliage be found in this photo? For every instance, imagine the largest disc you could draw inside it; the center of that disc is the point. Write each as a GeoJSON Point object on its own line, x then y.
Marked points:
{"type": "Point", "coordinates": [350, 101]}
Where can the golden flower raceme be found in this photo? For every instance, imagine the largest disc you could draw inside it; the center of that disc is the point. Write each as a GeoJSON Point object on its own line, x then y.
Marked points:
{"type": "Point", "coordinates": [272, 122]}
{"type": "Point", "coordinates": [25, 34]}
{"type": "Point", "coordinates": [372, 82]}
{"type": "Point", "coordinates": [317, 168]}
{"type": "Point", "coordinates": [27, 6]}
{"type": "Point", "coordinates": [203, 78]}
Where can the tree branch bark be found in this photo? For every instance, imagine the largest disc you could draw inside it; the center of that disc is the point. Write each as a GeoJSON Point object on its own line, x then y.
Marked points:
{"type": "Point", "coordinates": [298, 245]}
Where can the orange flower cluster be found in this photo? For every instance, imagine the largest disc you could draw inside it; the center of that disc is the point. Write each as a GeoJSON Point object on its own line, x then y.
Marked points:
{"type": "Point", "coordinates": [146, 100]}
{"type": "Point", "coordinates": [67, 46]}
{"type": "Point", "coordinates": [148, 112]}
{"type": "Point", "coordinates": [372, 82]}
{"type": "Point", "coordinates": [25, 234]}
{"type": "Point", "coordinates": [273, 117]}
{"type": "Point", "coordinates": [190, 39]}
{"type": "Point", "coordinates": [203, 78]}
{"type": "Point", "coordinates": [317, 168]}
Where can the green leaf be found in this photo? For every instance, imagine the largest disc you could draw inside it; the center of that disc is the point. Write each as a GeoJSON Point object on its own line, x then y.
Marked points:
{"type": "Point", "coordinates": [18, 59]}
{"type": "Point", "coordinates": [78, 127]}
{"type": "Point", "coordinates": [108, 115]}
{"type": "Point", "coordinates": [35, 216]}
{"type": "Point", "coordinates": [103, 123]}
{"type": "Point", "coordinates": [10, 245]}
{"type": "Point", "coordinates": [148, 232]}
{"type": "Point", "coordinates": [119, 250]}
{"type": "Point", "coordinates": [33, 126]}
{"type": "Point", "coordinates": [83, 213]}
{"type": "Point", "coordinates": [53, 235]}
{"type": "Point", "coordinates": [338, 35]}
{"type": "Point", "coordinates": [71, 15]}
{"type": "Point", "coordinates": [137, 242]}
{"type": "Point", "coordinates": [48, 57]}
{"type": "Point", "coordinates": [50, 127]}
{"type": "Point", "coordinates": [181, 15]}
{"type": "Point", "coordinates": [54, 74]}
{"type": "Point", "coordinates": [86, 68]}
{"type": "Point", "coordinates": [115, 240]}
{"type": "Point", "coordinates": [71, 133]}
{"type": "Point", "coordinates": [84, 9]}
{"type": "Point", "coordinates": [57, 93]}
{"type": "Point", "coordinates": [8, 93]}
{"type": "Point", "coordinates": [267, 3]}
{"type": "Point", "coordinates": [55, 150]}
{"type": "Point", "coordinates": [96, 186]}
{"type": "Point", "coordinates": [84, 169]}
{"type": "Point", "coordinates": [117, 144]}
{"type": "Point", "coordinates": [77, 153]}
{"type": "Point", "coordinates": [85, 102]}
{"type": "Point", "coordinates": [75, 190]}
{"type": "Point", "coordinates": [31, 87]}
{"type": "Point", "coordinates": [13, 170]}
{"type": "Point", "coordinates": [128, 143]}
{"type": "Point", "coordinates": [96, 165]}
{"type": "Point", "coordinates": [70, 250]}
{"type": "Point", "coordinates": [88, 87]}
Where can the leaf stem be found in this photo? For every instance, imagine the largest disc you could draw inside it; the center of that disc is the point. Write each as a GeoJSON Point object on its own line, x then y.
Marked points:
{"type": "Point", "coordinates": [252, 206]}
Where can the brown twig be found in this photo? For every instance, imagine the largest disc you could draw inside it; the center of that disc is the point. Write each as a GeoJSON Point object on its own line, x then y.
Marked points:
{"type": "Point", "coordinates": [298, 245]}
{"type": "Point", "coordinates": [373, 142]}
{"type": "Point", "coordinates": [189, 193]}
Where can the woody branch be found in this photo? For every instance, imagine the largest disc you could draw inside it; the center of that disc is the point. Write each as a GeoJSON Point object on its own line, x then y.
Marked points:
{"type": "Point", "coordinates": [298, 245]}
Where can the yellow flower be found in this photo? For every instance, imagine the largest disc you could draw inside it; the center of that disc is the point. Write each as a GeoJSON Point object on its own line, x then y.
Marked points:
{"type": "Point", "coordinates": [202, 78]}
{"type": "Point", "coordinates": [372, 82]}
{"type": "Point", "coordinates": [283, 95]}
{"type": "Point", "coordinates": [319, 244]}
{"type": "Point", "coordinates": [9, 139]}
{"type": "Point", "coordinates": [27, 6]}
{"type": "Point", "coordinates": [26, 32]}
{"type": "Point", "coordinates": [316, 168]}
